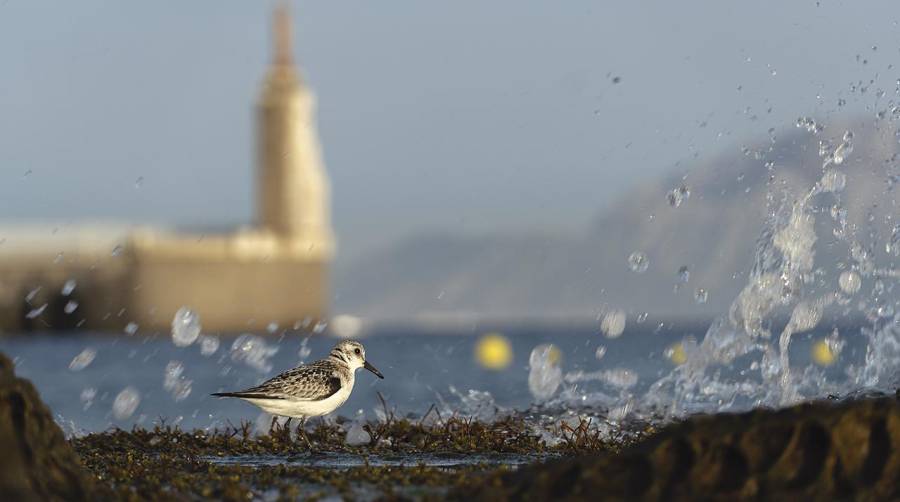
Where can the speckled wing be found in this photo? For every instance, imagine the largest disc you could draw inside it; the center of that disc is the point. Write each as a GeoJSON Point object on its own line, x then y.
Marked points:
{"type": "Point", "coordinates": [312, 382]}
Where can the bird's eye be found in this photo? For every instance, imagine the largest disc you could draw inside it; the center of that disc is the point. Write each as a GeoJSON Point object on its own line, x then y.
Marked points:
{"type": "Point", "coordinates": [357, 351]}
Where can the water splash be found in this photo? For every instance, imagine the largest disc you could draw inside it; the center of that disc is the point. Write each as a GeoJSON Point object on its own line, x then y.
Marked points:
{"type": "Point", "coordinates": [87, 397]}
{"type": "Point", "coordinates": [68, 287]}
{"type": "Point", "coordinates": [356, 434]}
{"type": "Point", "coordinates": [638, 262]}
{"type": "Point", "coordinates": [126, 403]}
{"type": "Point", "coordinates": [185, 327]}
{"type": "Point", "coordinates": [83, 359]}
{"type": "Point", "coordinates": [473, 404]}
{"type": "Point", "coordinates": [36, 312]}
{"type": "Point", "coordinates": [613, 323]}
{"type": "Point", "coordinates": [209, 344]}
{"type": "Point", "coordinates": [253, 351]}
{"type": "Point", "coordinates": [745, 357]}
{"type": "Point", "coordinates": [175, 382]}
{"type": "Point", "coordinates": [544, 374]}
{"type": "Point", "coordinates": [677, 196]}
{"type": "Point", "coordinates": [304, 351]}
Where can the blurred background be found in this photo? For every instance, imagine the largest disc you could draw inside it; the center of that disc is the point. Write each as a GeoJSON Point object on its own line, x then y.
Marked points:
{"type": "Point", "coordinates": [404, 168]}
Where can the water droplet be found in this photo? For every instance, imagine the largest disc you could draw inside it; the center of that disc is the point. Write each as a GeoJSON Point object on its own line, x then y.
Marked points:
{"type": "Point", "coordinates": [34, 313]}
{"type": "Point", "coordinates": [272, 327]}
{"type": "Point", "coordinates": [87, 397]}
{"type": "Point", "coordinates": [849, 282]}
{"type": "Point", "coordinates": [809, 124]}
{"type": "Point", "coordinates": [131, 328]}
{"type": "Point", "coordinates": [175, 382]}
{"type": "Point", "coordinates": [638, 262]}
{"type": "Point", "coordinates": [613, 323]}
{"type": "Point", "coordinates": [357, 435]}
{"type": "Point", "coordinates": [833, 180]}
{"type": "Point", "coordinates": [893, 245]}
{"type": "Point", "coordinates": [70, 307]}
{"type": "Point", "coordinates": [601, 351]}
{"type": "Point", "coordinates": [32, 294]}
{"type": "Point", "coordinates": [677, 196]}
{"type": "Point", "coordinates": [320, 327]}
{"type": "Point", "coordinates": [83, 359]}
{"type": "Point", "coordinates": [304, 350]}
{"type": "Point", "coordinates": [253, 351]}
{"type": "Point", "coordinates": [139, 182]}
{"type": "Point", "coordinates": [126, 403]}
{"type": "Point", "coordinates": [684, 274]}
{"type": "Point", "coordinates": [117, 250]}
{"type": "Point", "coordinates": [621, 378]}
{"type": "Point", "coordinates": [701, 296]}
{"type": "Point", "coordinates": [642, 317]}
{"type": "Point", "coordinates": [59, 257]}
{"type": "Point", "coordinates": [68, 287]}
{"type": "Point", "coordinates": [842, 152]}
{"type": "Point", "coordinates": [172, 373]}
{"type": "Point", "coordinates": [806, 316]}
{"type": "Point", "coordinates": [208, 344]}
{"type": "Point", "coordinates": [185, 327]}
{"type": "Point", "coordinates": [544, 372]}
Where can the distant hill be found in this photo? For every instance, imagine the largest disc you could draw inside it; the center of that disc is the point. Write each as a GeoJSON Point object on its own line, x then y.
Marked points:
{"type": "Point", "coordinates": [712, 232]}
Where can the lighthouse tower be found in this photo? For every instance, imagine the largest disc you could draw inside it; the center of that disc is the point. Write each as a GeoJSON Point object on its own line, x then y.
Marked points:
{"type": "Point", "coordinates": [274, 273]}
{"type": "Point", "coordinates": [293, 193]}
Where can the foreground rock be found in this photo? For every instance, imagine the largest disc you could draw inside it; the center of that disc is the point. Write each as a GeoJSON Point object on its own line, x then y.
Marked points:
{"type": "Point", "coordinates": [819, 451]}
{"type": "Point", "coordinates": [36, 461]}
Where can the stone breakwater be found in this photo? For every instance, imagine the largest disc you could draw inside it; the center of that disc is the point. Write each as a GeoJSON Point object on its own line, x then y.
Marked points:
{"type": "Point", "coordinates": [37, 462]}
{"type": "Point", "coordinates": [815, 451]}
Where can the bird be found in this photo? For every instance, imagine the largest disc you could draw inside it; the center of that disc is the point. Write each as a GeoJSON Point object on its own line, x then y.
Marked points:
{"type": "Point", "coordinates": [309, 390]}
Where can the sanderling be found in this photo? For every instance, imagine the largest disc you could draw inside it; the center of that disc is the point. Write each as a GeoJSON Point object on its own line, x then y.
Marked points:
{"type": "Point", "coordinates": [310, 390]}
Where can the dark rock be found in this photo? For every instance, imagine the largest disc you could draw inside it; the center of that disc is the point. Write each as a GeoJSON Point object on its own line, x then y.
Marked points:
{"type": "Point", "coordinates": [817, 451]}
{"type": "Point", "coordinates": [37, 462]}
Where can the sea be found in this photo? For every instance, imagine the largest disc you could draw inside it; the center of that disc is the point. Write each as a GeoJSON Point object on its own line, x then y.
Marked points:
{"type": "Point", "coordinates": [97, 381]}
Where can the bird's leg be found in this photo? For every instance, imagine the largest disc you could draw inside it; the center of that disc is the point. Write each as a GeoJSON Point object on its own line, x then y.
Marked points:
{"type": "Point", "coordinates": [302, 430]}
{"type": "Point", "coordinates": [272, 426]}
{"type": "Point", "coordinates": [287, 424]}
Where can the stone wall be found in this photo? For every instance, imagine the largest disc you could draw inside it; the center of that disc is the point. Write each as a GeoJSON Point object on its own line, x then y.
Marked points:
{"type": "Point", "coordinates": [228, 295]}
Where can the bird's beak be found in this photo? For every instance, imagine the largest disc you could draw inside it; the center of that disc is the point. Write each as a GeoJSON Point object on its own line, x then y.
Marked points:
{"type": "Point", "coordinates": [373, 369]}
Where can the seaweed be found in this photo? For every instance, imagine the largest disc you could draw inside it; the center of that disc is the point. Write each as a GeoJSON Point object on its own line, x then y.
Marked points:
{"type": "Point", "coordinates": [167, 463]}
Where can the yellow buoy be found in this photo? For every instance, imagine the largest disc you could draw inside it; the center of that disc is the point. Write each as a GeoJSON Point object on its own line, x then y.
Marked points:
{"type": "Point", "coordinates": [822, 353]}
{"type": "Point", "coordinates": [493, 351]}
{"type": "Point", "coordinates": [676, 354]}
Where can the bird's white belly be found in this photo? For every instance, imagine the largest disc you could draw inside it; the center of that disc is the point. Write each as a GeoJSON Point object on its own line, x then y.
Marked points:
{"type": "Point", "coordinates": [300, 409]}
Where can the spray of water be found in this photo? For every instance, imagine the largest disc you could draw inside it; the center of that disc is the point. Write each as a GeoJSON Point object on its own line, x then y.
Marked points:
{"type": "Point", "coordinates": [743, 360]}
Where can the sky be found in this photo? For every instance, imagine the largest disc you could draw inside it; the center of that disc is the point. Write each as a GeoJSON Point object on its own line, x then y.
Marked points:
{"type": "Point", "coordinates": [464, 117]}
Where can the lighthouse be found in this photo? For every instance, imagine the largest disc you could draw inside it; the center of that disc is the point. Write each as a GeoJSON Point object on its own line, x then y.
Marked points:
{"type": "Point", "coordinates": [293, 194]}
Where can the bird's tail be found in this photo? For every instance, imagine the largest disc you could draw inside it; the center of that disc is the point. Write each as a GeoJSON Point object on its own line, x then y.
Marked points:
{"type": "Point", "coordinates": [226, 394]}
{"type": "Point", "coordinates": [245, 395]}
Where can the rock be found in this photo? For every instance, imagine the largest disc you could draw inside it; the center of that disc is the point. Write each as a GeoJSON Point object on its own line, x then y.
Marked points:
{"type": "Point", "coordinates": [37, 463]}
{"type": "Point", "coordinates": [817, 451]}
